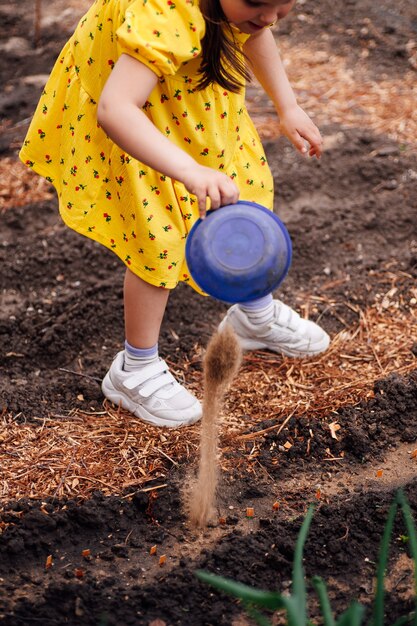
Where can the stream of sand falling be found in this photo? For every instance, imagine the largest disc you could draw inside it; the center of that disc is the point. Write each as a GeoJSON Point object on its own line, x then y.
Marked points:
{"type": "Point", "coordinates": [220, 365]}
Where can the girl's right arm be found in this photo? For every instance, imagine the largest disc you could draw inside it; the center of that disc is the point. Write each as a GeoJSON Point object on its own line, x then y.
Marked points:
{"type": "Point", "coordinates": [121, 116]}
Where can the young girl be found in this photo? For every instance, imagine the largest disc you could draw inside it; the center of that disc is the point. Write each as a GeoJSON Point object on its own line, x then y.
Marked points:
{"type": "Point", "coordinates": [141, 127]}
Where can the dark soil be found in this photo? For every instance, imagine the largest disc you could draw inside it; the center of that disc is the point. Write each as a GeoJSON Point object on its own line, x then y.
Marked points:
{"type": "Point", "coordinates": [351, 216]}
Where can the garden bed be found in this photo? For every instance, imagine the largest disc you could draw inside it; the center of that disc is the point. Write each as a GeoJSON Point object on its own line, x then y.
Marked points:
{"type": "Point", "coordinates": [91, 499]}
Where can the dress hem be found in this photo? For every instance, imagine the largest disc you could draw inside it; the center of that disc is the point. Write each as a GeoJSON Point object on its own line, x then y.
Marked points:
{"type": "Point", "coordinates": [94, 236]}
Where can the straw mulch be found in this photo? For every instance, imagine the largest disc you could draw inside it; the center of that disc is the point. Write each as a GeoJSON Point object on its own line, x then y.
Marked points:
{"type": "Point", "coordinates": [20, 186]}
{"type": "Point", "coordinates": [112, 451]}
{"type": "Point", "coordinates": [332, 92]}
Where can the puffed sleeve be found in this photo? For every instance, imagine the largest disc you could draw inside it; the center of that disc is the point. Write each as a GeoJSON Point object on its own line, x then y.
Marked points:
{"type": "Point", "coordinates": [162, 34]}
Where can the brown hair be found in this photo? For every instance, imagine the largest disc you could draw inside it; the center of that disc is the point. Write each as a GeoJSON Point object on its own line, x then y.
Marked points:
{"type": "Point", "coordinates": [222, 60]}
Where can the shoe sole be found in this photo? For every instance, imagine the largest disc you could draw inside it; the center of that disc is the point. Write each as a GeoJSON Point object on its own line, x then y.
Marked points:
{"type": "Point", "coordinates": [120, 400]}
{"type": "Point", "coordinates": [252, 344]}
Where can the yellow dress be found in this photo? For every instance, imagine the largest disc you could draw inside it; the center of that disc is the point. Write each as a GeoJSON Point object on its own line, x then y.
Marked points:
{"type": "Point", "coordinates": [104, 193]}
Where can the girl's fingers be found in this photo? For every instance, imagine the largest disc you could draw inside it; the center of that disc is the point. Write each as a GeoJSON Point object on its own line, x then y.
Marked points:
{"type": "Point", "coordinates": [225, 193]}
{"type": "Point", "coordinates": [299, 128]}
{"type": "Point", "coordinates": [309, 145]}
{"type": "Point", "coordinates": [202, 206]}
{"type": "Point", "coordinates": [314, 152]}
{"type": "Point", "coordinates": [231, 195]}
{"type": "Point", "coordinates": [215, 198]}
{"type": "Point", "coordinates": [299, 143]}
{"type": "Point", "coordinates": [212, 188]}
{"type": "Point", "coordinates": [316, 143]}
{"type": "Point", "coordinates": [229, 198]}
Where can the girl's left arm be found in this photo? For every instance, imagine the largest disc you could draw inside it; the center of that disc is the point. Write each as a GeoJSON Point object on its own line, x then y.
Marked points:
{"type": "Point", "coordinates": [266, 64]}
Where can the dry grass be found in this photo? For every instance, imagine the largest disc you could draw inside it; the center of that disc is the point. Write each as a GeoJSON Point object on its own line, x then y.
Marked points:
{"type": "Point", "coordinates": [20, 186]}
{"type": "Point", "coordinates": [334, 93]}
{"type": "Point", "coordinates": [112, 451]}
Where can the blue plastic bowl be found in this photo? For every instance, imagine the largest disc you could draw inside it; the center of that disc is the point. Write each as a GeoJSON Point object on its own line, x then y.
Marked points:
{"type": "Point", "coordinates": [239, 253]}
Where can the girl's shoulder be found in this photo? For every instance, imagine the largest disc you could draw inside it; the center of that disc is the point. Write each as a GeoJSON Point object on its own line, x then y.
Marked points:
{"type": "Point", "coordinates": [162, 33]}
{"type": "Point", "coordinates": [171, 11]}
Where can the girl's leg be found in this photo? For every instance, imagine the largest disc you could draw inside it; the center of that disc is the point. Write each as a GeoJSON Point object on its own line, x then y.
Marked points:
{"type": "Point", "coordinates": [138, 380]}
{"type": "Point", "coordinates": [272, 325]}
{"type": "Point", "coordinates": [144, 309]}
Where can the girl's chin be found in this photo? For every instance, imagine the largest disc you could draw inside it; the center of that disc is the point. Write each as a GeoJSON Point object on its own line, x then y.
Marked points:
{"type": "Point", "coordinates": [250, 28]}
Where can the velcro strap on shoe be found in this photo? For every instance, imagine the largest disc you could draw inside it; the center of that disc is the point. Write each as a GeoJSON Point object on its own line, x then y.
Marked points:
{"type": "Point", "coordinates": [286, 317]}
{"type": "Point", "coordinates": [144, 374]}
{"type": "Point", "coordinates": [157, 383]}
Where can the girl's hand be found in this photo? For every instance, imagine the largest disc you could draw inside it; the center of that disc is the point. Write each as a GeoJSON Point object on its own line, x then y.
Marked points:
{"type": "Point", "coordinates": [205, 182]}
{"type": "Point", "coordinates": [299, 128]}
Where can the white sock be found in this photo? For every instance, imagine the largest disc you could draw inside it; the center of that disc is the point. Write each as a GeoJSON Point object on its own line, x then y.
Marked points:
{"type": "Point", "coordinates": [259, 312]}
{"type": "Point", "coordinates": [135, 358]}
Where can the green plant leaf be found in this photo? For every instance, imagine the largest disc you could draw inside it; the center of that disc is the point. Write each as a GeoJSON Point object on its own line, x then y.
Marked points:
{"type": "Point", "coordinates": [256, 616]}
{"type": "Point", "coordinates": [407, 619]}
{"type": "Point", "coordinates": [353, 616]}
{"type": "Point", "coordinates": [378, 613]}
{"type": "Point", "coordinates": [412, 534]}
{"type": "Point", "coordinates": [295, 617]}
{"type": "Point", "coordinates": [264, 599]}
{"type": "Point", "coordinates": [321, 590]}
{"type": "Point", "coordinates": [298, 576]}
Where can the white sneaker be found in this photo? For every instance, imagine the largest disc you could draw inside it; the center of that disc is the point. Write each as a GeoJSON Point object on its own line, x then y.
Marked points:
{"type": "Point", "coordinates": [151, 393]}
{"type": "Point", "coordinates": [287, 333]}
